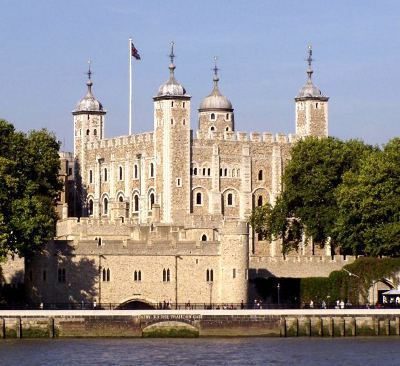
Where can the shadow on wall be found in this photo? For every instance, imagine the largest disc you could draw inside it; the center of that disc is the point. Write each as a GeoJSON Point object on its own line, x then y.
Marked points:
{"type": "Point", "coordinates": [12, 292]}
{"type": "Point", "coordinates": [57, 276]}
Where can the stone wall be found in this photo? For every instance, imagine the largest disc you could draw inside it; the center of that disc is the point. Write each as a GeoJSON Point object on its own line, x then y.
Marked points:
{"type": "Point", "coordinates": [188, 323]}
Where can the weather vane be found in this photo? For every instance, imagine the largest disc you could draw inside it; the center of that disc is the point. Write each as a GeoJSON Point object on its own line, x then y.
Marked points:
{"type": "Point", "coordinates": [172, 55]}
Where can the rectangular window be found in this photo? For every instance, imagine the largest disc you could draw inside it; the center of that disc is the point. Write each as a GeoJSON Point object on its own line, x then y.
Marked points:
{"type": "Point", "coordinates": [234, 273]}
{"type": "Point", "coordinates": [178, 182]}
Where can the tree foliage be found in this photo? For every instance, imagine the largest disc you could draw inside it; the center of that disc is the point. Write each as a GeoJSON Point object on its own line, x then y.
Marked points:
{"type": "Point", "coordinates": [308, 205]}
{"type": "Point", "coordinates": [369, 205]}
{"type": "Point", "coordinates": [29, 187]}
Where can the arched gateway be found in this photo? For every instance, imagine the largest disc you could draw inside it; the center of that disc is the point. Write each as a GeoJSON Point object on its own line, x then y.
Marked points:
{"type": "Point", "coordinates": [137, 303]}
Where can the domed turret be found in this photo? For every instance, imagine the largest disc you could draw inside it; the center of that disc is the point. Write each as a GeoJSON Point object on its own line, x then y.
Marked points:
{"type": "Point", "coordinates": [311, 107]}
{"type": "Point", "coordinates": [215, 101]}
{"type": "Point", "coordinates": [215, 110]}
{"type": "Point", "coordinates": [171, 88]}
{"type": "Point", "coordinates": [89, 103]}
{"type": "Point", "coordinates": [309, 90]}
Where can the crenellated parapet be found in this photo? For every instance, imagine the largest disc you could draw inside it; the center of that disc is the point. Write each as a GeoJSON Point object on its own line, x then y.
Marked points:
{"type": "Point", "coordinates": [137, 139]}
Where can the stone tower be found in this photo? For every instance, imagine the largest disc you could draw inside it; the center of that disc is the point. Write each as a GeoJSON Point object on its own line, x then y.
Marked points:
{"type": "Point", "coordinates": [88, 126]}
{"type": "Point", "coordinates": [311, 107]}
{"type": "Point", "coordinates": [172, 148]}
{"type": "Point", "coordinates": [215, 111]}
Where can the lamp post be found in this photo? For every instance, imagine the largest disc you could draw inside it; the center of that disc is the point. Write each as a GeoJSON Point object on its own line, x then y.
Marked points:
{"type": "Point", "coordinates": [279, 297]}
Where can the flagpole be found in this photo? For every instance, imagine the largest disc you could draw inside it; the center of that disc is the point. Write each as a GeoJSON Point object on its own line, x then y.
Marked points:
{"type": "Point", "coordinates": [130, 86]}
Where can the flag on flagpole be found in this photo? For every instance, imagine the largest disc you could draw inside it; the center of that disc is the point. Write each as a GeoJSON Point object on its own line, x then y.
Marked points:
{"type": "Point", "coordinates": [135, 52]}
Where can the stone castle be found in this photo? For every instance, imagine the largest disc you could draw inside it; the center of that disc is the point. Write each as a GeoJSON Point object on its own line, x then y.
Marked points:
{"type": "Point", "coordinates": [163, 216]}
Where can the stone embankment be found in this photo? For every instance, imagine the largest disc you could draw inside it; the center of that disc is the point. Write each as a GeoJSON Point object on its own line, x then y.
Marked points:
{"type": "Point", "coordinates": [203, 323]}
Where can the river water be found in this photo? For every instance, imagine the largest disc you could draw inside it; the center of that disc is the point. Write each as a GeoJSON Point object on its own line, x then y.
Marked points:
{"type": "Point", "coordinates": [209, 351]}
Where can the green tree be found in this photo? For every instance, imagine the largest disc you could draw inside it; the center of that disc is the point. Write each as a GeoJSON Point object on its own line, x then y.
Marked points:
{"type": "Point", "coordinates": [369, 205]}
{"type": "Point", "coordinates": [29, 187]}
{"type": "Point", "coordinates": [308, 204]}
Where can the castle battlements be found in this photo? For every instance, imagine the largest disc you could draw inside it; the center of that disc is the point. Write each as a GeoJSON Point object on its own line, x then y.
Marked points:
{"type": "Point", "coordinates": [265, 137]}
{"type": "Point", "coordinates": [140, 138]}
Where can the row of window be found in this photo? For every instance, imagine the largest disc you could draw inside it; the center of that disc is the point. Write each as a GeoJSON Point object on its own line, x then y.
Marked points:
{"type": "Point", "coordinates": [213, 116]}
{"type": "Point", "coordinates": [121, 173]}
{"type": "Point", "coordinates": [229, 199]}
{"type": "Point", "coordinates": [212, 128]}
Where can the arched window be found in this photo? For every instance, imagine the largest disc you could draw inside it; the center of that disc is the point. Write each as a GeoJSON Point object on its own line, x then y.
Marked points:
{"type": "Point", "coordinates": [136, 203]}
{"type": "Point", "coordinates": [151, 200]}
{"type": "Point", "coordinates": [259, 201]}
{"type": "Point", "coordinates": [211, 275]}
{"type": "Point", "coordinates": [227, 116]}
{"type": "Point", "coordinates": [225, 172]}
{"type": "Point", "coordinates": [90, 176]}
{"type": "Point", "coordinates": [208, 275]}
{"type": "Point", "coordinates": [226, 128]}
{"type": "Point", "coordinates": [168, 275]}
{"type": "Point", "coordinates": [172, 104]}
{"type": "Point", "coordinates": [121, 173]}
{"type": "Point", "coordinates": [139, 275]}
{"type": "Point", "coordinates": [212, 116]}
{"type": "Point", "coordinates": [104, 274]}
{"type": "Point", "coordinates": [105, 175]}
{"type": "Point", "coordinates": [87, 132]}
{"type": "Point", "coordinates": [204, 237]}
{"type": "Point", "coordinates": [95, 132]}
{"type": "Point", "coordinates": [260, 175]}
{"type": "Point", "coordinates": [204, 171]}
{"type": "Point", "coordinates": [194, 171]}
{"type": "Point", "coordinates": [121, 199]}
{"type": "Point", "coordinates": [198, 198]}
{"type": "Point", "coordinates": [209, 172]}
{"type": "Point", "coordinates": [164, 275]}
{"type": "Point", "coordinates": [136, 171]}
{"type": "Point", "coordinates": [108, 274]}
{"type": "Point", "coordinates": [212, 128]}
{"type": "Point", "coordinates": [230, 199]}
{"type": "Point", "coordinates": [105, 206]}
{"type": "Point", "coordinates": [90, 207]}
{"type": "Point", "coordinates": [151, 170]}
{"type": "Point", "coordinates": [220, 172]}
{"type": "Point", "coordinates": [135, 276]}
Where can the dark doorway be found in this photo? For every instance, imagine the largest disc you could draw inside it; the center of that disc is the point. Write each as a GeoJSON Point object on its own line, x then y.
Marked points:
{"type": "Point", "coordinates": [135, 305]}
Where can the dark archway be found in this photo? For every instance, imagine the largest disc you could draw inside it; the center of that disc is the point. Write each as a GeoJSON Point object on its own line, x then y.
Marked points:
{"type": "Point", "coordinates": [135, 305]}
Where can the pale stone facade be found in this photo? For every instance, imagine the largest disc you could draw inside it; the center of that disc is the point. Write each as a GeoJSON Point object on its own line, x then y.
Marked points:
{"type": "Point", "coordinates": [163, 215]}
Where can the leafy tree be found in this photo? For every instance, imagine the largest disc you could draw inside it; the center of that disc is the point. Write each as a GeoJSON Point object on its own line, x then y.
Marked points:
{"type": "Point", "coordinates": [308, 203]}
{"type": "Point", "coordinates": [29, 187]}
{"type": "Point", "coordinates": [369, 205]}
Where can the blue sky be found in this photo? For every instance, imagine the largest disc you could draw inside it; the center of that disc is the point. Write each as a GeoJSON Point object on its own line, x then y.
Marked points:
{"type": "Point", "coordinates": [261, 46]}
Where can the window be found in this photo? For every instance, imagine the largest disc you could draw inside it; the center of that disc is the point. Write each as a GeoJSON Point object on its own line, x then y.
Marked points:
{"type": "Point", "coordinates": [259, 201]}
{"type": "Point", "coordinates": [227, 116]}
{"type": "Point", "coordinates": [172, 121]}
{"type": "Point", "coordinates": [212, 116]}
{"type": "Point", "coordinates": [172, 104]}
{"type": "Point", "coordinates": [44, 276]}
{"type": "Point", "coordinates": [90, 207]}
{"type": "Point", "coordinates": [209, 172]}
{"type": "Point", "coordinates": [87, 132]}
{"type": "Point", "coordinates": [194, 171]}
{"type": "Point", "coordinates": [234, 273]}
{"type": "Point", "coordinates": [260, 175]}
{"type": "Point", "coordinates": [183, 104]}
{"type": "Point", "coordinates": [233, 172]}
{"type": "Point", "coordinates": [61, 275]}
{"type": "Point", "coordinates": [178, 182]}
{"type": "Point", "coordinates": [90, 176]}
{"type": "Point", "coordinates": [225, 172]}
{"type": "Point", "coordinates": [151, 170]}
{"type": "Point", "coordinates": [137, 276]}
{"type": "Point", "coordinates": [210, 275]}
{"type": "Point", "coordinates": [226, 128]}
{"type": "Point", "coordinates": [105, 175]}
{"type": "Point", "coordinates": [184, 121]}
{"type": "Point", "coordinates": [136, 171]}
{"type": "Point", "coordinates": [151, 200]}
{"type": "Point", "coordinates": [105, 206]}
{"type": "Point", "coordinates": [121, 199]}
{"type": "Point", "coordinates": [212, 128]}
{"type": "Point", "coordinates": [316, 105]}
{"type": "Point", "coordinates": [95, 132]}
{"type": "Point", "coordinates": [259, 237]}
{"type": "Point", "coordinates": [69, 171]}
{"type": "Point", "coordinates": [106, 275]}
{"type": "Point", "coordinates": [121, 173]}
{"type": "Point", "coordinates": [230, 199]}
{"type": "Point", "coordinates": [204, 237]}
{"type": "Point", "coordinates": [136, 203]}
{"type": "Point", "coordinates": [166, 275]}
{"type": "Point", "coordinates": [204, 171]}
{"type": "Point", "coordinates": [220, 172]}
{"type": "Point", "coordinates": [198, 198]}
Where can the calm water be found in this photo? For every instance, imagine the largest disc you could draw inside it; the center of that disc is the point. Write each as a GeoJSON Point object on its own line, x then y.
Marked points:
{"type": "Point", "coordinates": [210, 352]}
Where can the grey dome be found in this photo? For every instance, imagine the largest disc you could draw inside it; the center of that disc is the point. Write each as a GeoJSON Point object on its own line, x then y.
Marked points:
{"type": "Point", "coordinates": [89, 103]}
{"type": "Point", "coordinates": [310, 91]}
{"type": "Point", "coordinates": [171, 87]}
{"type": "Point", "coordinates": [216, 101]}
